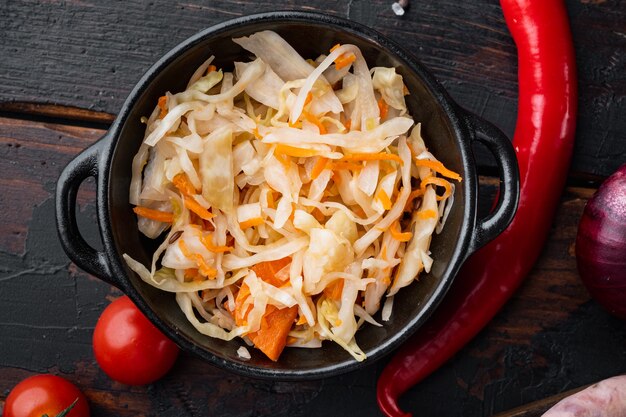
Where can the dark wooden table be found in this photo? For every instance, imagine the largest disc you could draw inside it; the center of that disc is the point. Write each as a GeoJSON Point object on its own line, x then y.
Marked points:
{"type": "Point", "coordinates": [66, 68]}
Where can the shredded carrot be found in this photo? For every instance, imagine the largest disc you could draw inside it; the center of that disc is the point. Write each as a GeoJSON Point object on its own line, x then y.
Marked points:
{"type": "Point", "coordinates": [437, 181]}
{"type": "Point", "coordinates": [251, 222]}
{"type": "Point", "coordinates": [438, 167]}
{"type": "Point", "coordinates": [203, 267]}
{"type": "Point", "coordinates": [301, 320]}
{"type": "Point", "coordinates": [270, 200]}
{"type": "Point", "coordinates": [309, 98]}
{"type": "Point", "coordinates": [315, 120]}
{"type": "Point", "coordinates": [297, 124]}
{"type": "Point", "coordinates": [163, 106]}
{"type": "Point", "coordinates": [334, 289]}
{"type": "Point", "coordinates": [405, 90]}
{"type": "Point", "coordinates": [343, 165]}
{"type": "Point", "coordinates": [412, 196]}
{"type": "Point", "coordinates": [157, 215]}
{"type": "Point", "coordinates": [181, 181]}
{"type": "Point", "coordinates": [343, 61]}
{"type": "Point", "coordinates": [211, 68]}
{"type": "Point", "coordinates": [192, 274]}
{"type": "Point", "coordinates": [347, 124]}
{"type": "Point", "coordinates": [382, 196]}
{"type": "Point", "coordinates": [294, 151]}
{"type": "Point", "coordinates": [397, 234]}
{"type": "Point", "coordinates": [284, 159]}
{"type": "Point", "coordinates": [335, 47]}
{"type": "Point", "coordinates": [196, 208]}
{"type": "Point", "coordinates": [319, 166]}
{"type": "Point", "coordinates": [426, 214]}
{"type": "Point", "coordinates": [382, 156]}
{"type": "Point", "coordinates": [267, 271]}
{"type": "Point", "coordinates": [207, 241]}
{"type": "Point", "coordinates": [239, 314]}
{"type": "Point", "coordinates": [383, 108]}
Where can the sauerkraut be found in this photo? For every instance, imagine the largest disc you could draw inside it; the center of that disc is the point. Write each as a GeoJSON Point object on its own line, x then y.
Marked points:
{"type": "Point", "coordinates": [292, 196]}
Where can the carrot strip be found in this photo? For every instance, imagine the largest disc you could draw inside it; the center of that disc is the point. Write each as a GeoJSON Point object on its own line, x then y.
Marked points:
{"type": "Point", "coordinates": [251, 222]}
{"type": "Point", "coordinates": [309, 98]}
{"type": "Point", "coordinates": [383, 108]}
{"type": "Point", "coordinates": [284, 159]}
{"type": "Point", "coordinates": [157, 215]}
{"type": "Point", "coordinates": [256, 133]}
{"type": "Point", "coordinates": [341, 165]}
{"type": "Point", "coordinates": [319, 166]}
{"type": "Point", "coordinates": [437, 181]}
{"type": "Point", "coordinates": [334, 289]}
{"type": "Point", "coordinates": [270, 200]}
{"type": "Point", "coordinates": [384, 199]}
{"type": "Point", "coordinates": [438, 167]}
{"type": "Point", "coordinates": [412, 196]}
{"type": "Point", "coordinates": [239, 314]}
{"type": "Point", "coordinates": [382, 156]}
{"type": "Point", "coordinates": [427, 214]}
{"type": "Point", "coordinates": [211, 68]}
{"type": "Point", "coordinates": [344, 61]}
{"type": "Point", "coordinates": [195, 207]}
{"type": "Point", "coordinates": [315, 120]}
{"type": "Point", "coordinates": [163, 106]}
{"type": "Point", "coordinates": [184, 185]}
{"type": "Point", "coordinates": [203, 267]}
{"type": "Point", "coordinates": [294, 151]}
{"type": "Point", "coordinates": [347, 124]}
{"type": "Point", "coordinates": [207, 241]}
{"type": "Point", "coordinates": [335, 47]}
{"type": "Point", "coordinates": [397, 234]}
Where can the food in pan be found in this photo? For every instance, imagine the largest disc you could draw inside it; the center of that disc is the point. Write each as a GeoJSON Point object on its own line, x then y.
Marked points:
{"type": "Point", "coordinates": [295, 196]}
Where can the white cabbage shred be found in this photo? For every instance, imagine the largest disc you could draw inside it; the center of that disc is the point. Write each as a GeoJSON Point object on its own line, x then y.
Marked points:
{"type": "Point", "coordinates": [287, 184]}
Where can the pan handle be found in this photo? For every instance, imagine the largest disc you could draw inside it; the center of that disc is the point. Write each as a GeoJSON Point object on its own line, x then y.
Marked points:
{"type": "Point", "coordinates": [85, 165]}
{"type": "Point", "coordinates": [508, 196]}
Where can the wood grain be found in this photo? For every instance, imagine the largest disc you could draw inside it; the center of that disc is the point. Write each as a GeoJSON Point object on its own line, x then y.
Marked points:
{"type": "Point", "coordinates": [549, 338]}
{"type": "Point", "coordinates": [89, 54]}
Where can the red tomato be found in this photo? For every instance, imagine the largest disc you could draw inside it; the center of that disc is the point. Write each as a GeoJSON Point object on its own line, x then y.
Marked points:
{"type": "Point", "coordinates": [128, 348]}
{"type": "Point", "coordinates": [45, 395]}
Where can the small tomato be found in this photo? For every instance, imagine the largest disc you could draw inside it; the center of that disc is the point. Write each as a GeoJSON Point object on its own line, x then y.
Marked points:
{"type": "Point", "coordinates": [45, 395]}
{"type": "Point", "coordinates": [129, 348]}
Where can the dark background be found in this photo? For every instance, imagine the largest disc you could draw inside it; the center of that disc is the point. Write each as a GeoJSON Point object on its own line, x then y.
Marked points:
{"type": "Point", "coordinates": [67, 66]}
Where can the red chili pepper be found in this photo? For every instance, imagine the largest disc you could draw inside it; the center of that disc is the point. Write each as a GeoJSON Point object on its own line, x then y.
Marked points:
{"type": "Point", "coordinates": [543, 141]}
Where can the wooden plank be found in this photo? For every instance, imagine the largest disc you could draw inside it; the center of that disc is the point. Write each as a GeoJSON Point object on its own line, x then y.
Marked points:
{"type": "Point", "coordinates": [89, 55]}
{"type": "Point", "coordinates": [549, 338]}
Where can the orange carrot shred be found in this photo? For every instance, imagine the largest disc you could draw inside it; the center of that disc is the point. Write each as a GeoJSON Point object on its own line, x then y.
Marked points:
{"type": "Point", "coordinates": [426, 214]}
{"type": "Point", "coordinates": [397, 234]}
{"type": "Point", "coordinates": [344, 165]}
{"type": "Point", "coordinates": [344, 61]}
{"type": "Point", "coordinates": [437, 181]}
{"type": "Point", "coordinates": [347, 124]}
{"type": "Point", "coordinates": [294, 151]}
{"type": "Point", "coordinates": [157, 215]}
{"type": "Point", "coordinates": [207, 241]}
{"type": "Point", "coordinates": [382, 196]}
{"type": "Point", "coordinates": [383, 107]}
{"type": "Point", "coordinates": [309, 98]}
{"type": "Point", "coordinates": [319, 166]}
{"type": "Point", "coordinates": [184, 185]}
{"type": "Point", "coordinates": [255, 221]}
{"type": "Point", "coordinates": [196, 208]}
{"type": "Point", "coordinates": [163, 106]}
{"type": "Point", "coordinates": [256, 133]}
{"type": "Point", "coordinates": [334, 289]}
{"type": "Point", "coordinates": [335, 47]}
{"type": "Point", "coordinates": [382, 156]}
{"type": "Point", "coordinates": [316, 121]}
{"type": "Point", "coordinates": [284, 159]}
{"type": "Point", "coordinates": [438, 167]}
{"type": "Point", "coordinates": [211, 68]}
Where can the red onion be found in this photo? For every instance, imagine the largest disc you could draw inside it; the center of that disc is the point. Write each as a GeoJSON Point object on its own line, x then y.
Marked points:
{"type": "Point", "coordinates": [601, 244]}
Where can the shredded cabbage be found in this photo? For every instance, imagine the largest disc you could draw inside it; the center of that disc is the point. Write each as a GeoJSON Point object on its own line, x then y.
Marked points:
{"type": "Point", "coordinates": [287, 184]}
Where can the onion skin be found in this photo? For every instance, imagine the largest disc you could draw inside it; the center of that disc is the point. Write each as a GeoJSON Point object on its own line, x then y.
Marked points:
{"type": "Point", "coordinates": [601, 244]}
